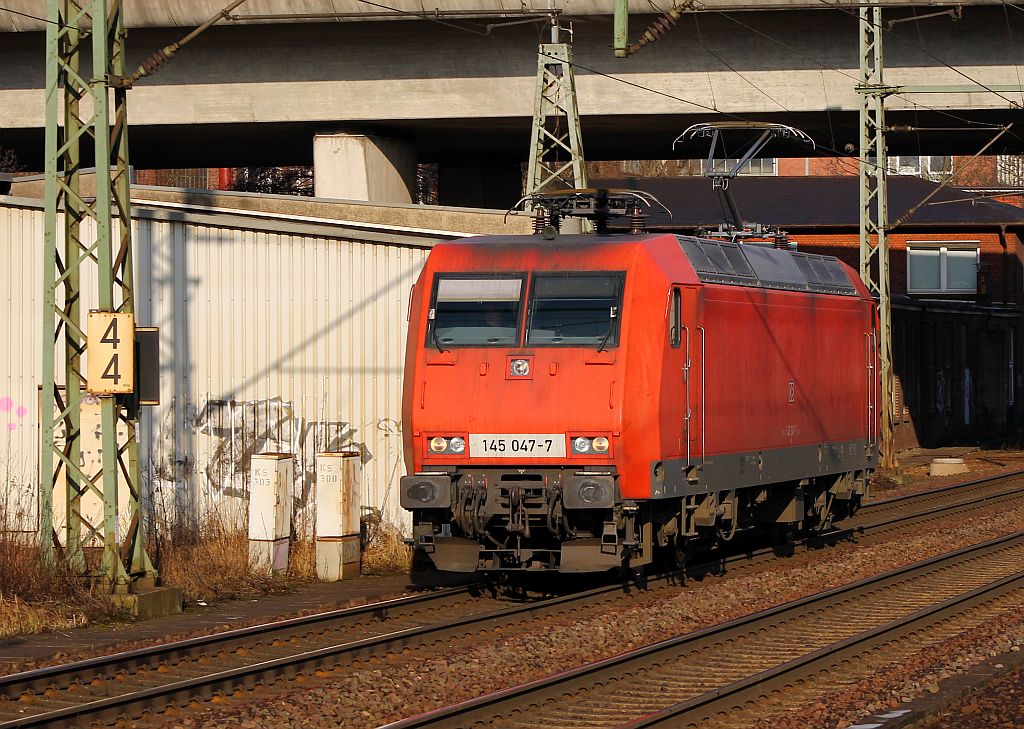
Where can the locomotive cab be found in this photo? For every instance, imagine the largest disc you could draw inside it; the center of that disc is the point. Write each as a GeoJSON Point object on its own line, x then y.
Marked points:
{"type": "Point", "coordinates": [513, 451]}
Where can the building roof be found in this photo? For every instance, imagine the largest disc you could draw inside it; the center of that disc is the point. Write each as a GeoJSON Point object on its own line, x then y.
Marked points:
{"type": "Point", "coordinates": [800, 202]}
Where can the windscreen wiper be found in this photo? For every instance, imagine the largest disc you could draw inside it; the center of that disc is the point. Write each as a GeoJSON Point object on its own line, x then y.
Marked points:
{"type": "Point", "coordinates": [433, 335]}
{"type": "Point", "coordinates": [611, 325]}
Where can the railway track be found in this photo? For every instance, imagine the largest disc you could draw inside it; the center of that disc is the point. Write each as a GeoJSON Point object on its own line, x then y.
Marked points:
{"type": "Point", "coordinates": [717, 671]}
{"type": "Point", "coordinates": [150, 679]}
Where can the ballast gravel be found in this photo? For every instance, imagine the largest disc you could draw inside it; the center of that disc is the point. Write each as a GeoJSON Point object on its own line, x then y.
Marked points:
{"type": "Point", "coordinates": [998, 704]}
{"type": "Point", "coordinates": [373, 692]}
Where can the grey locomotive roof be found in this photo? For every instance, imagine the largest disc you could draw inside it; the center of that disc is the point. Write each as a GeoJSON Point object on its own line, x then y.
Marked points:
{"type": "Point", "coordinates": [735, 264]}
{"type": "Point", "coordinates": [739, 264]}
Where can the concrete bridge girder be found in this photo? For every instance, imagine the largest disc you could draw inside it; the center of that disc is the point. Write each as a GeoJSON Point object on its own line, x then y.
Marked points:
{"type": "Point", "coordinates": [258, 94]}
{"type": "Point", "coordinates": [187, 13]}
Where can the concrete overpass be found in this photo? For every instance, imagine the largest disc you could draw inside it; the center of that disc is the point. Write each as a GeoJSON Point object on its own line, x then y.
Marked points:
{"type": "Point", "coordinates": [257, 91]}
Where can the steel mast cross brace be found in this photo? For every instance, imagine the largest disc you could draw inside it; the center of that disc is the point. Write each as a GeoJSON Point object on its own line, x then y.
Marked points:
{"type": "Point", "coordinates": [88, 238]}
{"type": "Point", "coordinates": [556, 144]}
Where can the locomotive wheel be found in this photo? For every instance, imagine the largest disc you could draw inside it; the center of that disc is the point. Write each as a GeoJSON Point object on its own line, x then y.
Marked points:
{"type": "Point", "coordinates": [677, 552]}
{"type": "Point", "coordinates": [783, 534]}
{"type": "Point", "coordinates": [636, 575]}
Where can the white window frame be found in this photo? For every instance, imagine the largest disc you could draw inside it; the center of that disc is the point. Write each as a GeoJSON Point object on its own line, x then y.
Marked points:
{"type": "Point", "coordinates": [898, 164]}
{"type": "Point", "coordinates": [943, 246]}
{"type": "Point", "coordinates": [922, 167]}
{"type": "Point", "coordinates": [746, 171]}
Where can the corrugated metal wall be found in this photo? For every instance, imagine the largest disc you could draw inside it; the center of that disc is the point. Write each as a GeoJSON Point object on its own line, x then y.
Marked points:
{"type": "Point", "coordinates": [275, 337]}
{"type": "Point", "coordinates": [21, 235]}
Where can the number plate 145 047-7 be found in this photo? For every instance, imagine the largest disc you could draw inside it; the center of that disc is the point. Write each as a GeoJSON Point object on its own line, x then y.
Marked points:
{"type": "Point", "coordinates": [532, 445]}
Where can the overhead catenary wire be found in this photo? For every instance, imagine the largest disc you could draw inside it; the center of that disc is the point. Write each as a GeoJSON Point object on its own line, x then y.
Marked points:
{"type": "Point", "coordinates": [945, 183]}
{"type": "Point", "coordinates": [1003, 130]}
{"type": "Point", "coordinates": [1013, 49]}
{"type": "Point", "coordinates": [895, 34]}
{"type": "Point", "coordinates": [855, 79]}
{"type": "Point", "coordinates": [153, 63]}
{"type": "Point", "coordinates": [26, 15]}
{"type": "Point", "coordinates": [426, 15]}
{"type": "Point", "coordinates": [733, 69]}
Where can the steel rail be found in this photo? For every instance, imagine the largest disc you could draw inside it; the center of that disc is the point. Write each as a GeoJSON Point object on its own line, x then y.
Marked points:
{"type": "Point", "coordinates": [152, 656]}
{"type": "Point", "coordinates": [13, 686]}
{"type": "Point", "coordinates": [912, 500]}
{"type": "Point", "coordinates": [500, 705]}
{"type": "Point", "coordinates": [942, 490]}
{"type": "Point", "coordinates": [249, 676]}
{"type": "Point", "coordinates": [755, 686]}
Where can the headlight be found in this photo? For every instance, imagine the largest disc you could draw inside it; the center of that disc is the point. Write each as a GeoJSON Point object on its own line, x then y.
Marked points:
{"type": "Point", "coordinates": [597, 444]}
{"type": "Point", "coordinates": [520, 367]}
{"type": "Point", "coordinates": [442, 445]}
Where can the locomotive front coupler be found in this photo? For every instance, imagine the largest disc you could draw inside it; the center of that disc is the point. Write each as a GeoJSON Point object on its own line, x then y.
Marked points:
{"type": "Point", "coordinates": [629, 512]}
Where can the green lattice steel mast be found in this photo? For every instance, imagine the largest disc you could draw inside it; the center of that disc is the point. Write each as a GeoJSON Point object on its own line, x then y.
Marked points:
{"type": "Point", "coordinates": [556, 144]}
{"type": "Point", "coordinates": [874, 208]}
{"type": "Point", "coordinates": [87, 239]}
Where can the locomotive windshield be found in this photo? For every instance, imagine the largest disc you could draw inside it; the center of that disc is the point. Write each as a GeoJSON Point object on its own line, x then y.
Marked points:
{"type": "Point", "coordinates": [575, 309]}
{"type": "Point", "coordinates": [476, 312]}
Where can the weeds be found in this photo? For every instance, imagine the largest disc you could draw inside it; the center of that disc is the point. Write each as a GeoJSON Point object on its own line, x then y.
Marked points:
{"type": "Point", "coordinates": [209, 560]}
{"type": "Point", "coordinates": [384, 549]}
{"type": "Point", "coordinates": [34, 599]}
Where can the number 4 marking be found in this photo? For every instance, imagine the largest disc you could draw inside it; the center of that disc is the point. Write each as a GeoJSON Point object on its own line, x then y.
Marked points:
{"type": "Point", "coordinates": [110, 337]}
{"type": "Point", "coordinates": [112, 372]}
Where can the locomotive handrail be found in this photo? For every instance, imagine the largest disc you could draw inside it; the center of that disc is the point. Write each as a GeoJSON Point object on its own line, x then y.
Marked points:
{"type": "Point", "coordinates": [875, 391]}
{"type": "Point", "coordinates": [867, 375]}
{"type": "Point", "coordinates": [686, 389]}
{"type": "Point", "coordinates": [871, 342]}
{"type": "Point", "coordinates": [703, 403]}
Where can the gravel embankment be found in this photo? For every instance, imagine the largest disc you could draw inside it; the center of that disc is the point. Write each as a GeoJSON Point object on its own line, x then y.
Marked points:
{"type": "Point", "coordinates": [998, 704]}
{"type": "Point", "coordinates": [375, 692]}
{"type": "Point", "coordinates": [908, 672]}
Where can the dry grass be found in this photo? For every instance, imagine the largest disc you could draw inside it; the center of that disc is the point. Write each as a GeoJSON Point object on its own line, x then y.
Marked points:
{"type": "Point", "coordinates": [210, 561]}
{"type": "Point", "coordinates": [384, 551]}
{"type": "Point", "coordinates": [302, 560]}
{"type": "Point", "coordinates": [34, 599]}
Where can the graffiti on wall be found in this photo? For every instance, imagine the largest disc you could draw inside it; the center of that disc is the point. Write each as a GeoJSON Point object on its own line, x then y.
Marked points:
{"type": "Point", "coordinates": [9, 408]}
{"type": "Point", "coordinates": [240, 429]}
{"type": "Point", "coordinates": [18, 511]}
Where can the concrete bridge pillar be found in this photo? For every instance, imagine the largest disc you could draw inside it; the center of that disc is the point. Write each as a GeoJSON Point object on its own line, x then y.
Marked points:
{"type": "Point", "coordinates": [360, 167]}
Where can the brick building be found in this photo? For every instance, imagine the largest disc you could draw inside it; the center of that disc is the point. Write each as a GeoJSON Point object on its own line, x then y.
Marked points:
{"type": "Point", "coordinates": [956, 267]}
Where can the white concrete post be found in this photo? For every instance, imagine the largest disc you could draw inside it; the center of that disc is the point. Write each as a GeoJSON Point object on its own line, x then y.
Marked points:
{"type": "Point", "coordinates": [358, 167]}
{"type": "Point", "coordinates": [269, 510]}
{"type": "Point", "coordinates": [337, 515]}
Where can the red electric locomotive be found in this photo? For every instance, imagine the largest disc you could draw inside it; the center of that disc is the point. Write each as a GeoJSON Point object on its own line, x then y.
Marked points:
{"type": "Point", "coordinates": [574, 403]}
